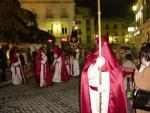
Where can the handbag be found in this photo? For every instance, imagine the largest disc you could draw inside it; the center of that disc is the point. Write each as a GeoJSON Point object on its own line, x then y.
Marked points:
{"type": "Point", "coordinates": [141, 100]}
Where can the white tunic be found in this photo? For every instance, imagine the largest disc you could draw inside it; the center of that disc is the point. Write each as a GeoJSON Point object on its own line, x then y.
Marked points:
{"type": "Point", "coordinates": [71, 65]}
{"type": "Point", "coordinates": [43, 72]}
{"type": "Point", "coordinates": [76, 70]}
{"type": "Point", "coordinates": [103, 89]}
{"type": "Point", "coordinates": [57, 73]}
{"type": "Point", "coordinates": [67, 63]}
{"type": "Point", "coordinates": [16, 73]}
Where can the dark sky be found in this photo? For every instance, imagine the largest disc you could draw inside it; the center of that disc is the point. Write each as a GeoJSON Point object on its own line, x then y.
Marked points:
{"type": "Point", "coordinates": [109, 8]}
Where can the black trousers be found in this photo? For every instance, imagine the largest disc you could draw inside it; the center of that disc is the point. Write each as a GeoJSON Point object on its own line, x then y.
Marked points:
{"type": "Point", "coordinates": [3, 74]}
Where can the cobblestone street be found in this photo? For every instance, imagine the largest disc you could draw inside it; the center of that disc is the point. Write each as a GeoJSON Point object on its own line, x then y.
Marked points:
{"type": "Point", "coordinates": [60, 98]}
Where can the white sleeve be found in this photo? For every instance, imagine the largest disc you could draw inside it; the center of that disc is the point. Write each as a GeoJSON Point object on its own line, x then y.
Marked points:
{"type": "Point", "coordinates": [91, 72]}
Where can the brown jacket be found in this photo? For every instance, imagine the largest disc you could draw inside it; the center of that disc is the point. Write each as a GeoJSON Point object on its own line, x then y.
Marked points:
{"type": "Point", "coordinates": [142, 81]}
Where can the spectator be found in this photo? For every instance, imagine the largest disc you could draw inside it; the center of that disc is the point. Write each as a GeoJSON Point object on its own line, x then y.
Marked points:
{"type": "Point", "coordinates": [128, 68]}
{"type": "Point", "coordinates": [3, 63]}
{"type": "Point", "coordinates": [141, 77]}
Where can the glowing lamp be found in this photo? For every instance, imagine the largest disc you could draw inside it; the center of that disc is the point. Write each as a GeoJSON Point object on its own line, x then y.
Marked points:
{"type": "Point", "coordinates": [63, 40]}
{"type": "Point", "coordinates": [49, 40]}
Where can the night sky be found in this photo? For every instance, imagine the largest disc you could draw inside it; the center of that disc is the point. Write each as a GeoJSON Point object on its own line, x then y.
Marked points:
{"type": "Point", "coordinates": [109, 8]}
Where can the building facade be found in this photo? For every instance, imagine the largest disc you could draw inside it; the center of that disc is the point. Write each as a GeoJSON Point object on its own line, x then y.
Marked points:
{"type": "Point", "coordinates": [142, 21]}
{"type": "Point", "coordinates": [84, 23]}
{"type": "Point", "coordinates": [115, 29]}
{"type": "Point", "coordinates": [53, 16]}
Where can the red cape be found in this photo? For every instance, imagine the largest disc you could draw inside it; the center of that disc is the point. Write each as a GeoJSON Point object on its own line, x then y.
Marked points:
{"type": "Point", "coordinates": [48, 79]}
{"type": "Point", "coordinates": [117, 98]}
{"type": "Point", "coordinates": [37, 69]}
{"type": "Point", "coordinates": [64, 73]}
{"type": "Point", "coordinates": [14, 58]}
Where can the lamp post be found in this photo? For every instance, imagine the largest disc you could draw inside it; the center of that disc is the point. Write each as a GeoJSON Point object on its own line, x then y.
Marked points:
{"type": "Point", "coordinates": [99, 35]}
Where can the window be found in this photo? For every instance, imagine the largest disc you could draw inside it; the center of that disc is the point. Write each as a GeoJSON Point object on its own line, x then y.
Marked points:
{"type": "Point", "coordinates": [88, 39]}
{"type": "Point", "coordinates": [115, 26]}
{"type": "Point", "coordinates": [88, 30]}
{"type": "Point", "coordinates": [80, 32]}
{"type": "Point", "coordinates": [107, 33]}
{"type": "Point", "coordinates": [50, 31]}
{"type": "Point", "coordinates": [88, 22]}
{"type": "Point", "coordinates": [80, 40]}
{"type": "Point", "coordinates": [107, 26]}
{"type": "Point", "coordinates": [64, 30]}
{"type": "Point", "coordinates": [78, 22]}
{"type": "Point", "coordinates": [115, 33]}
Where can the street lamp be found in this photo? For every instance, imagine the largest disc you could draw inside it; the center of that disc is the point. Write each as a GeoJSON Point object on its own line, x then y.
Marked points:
{"type": "Point", "coordinates": [134, 8]}
{"type": "Point", "coordinates": [76, 27]}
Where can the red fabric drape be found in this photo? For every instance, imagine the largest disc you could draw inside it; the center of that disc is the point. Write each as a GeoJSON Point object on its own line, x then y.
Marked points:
{"type": "Point", "coordinates": [117, 98]}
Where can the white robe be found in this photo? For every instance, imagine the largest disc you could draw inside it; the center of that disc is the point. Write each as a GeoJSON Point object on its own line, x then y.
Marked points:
{"type": "Point", "coordinates": [71, 65]}
{"type": "Point", "coordinates": [103, 89]}
{"type": "Point", "coordinates": [43, 62]}
{"type": "Point", "coordinates": [76, 70]}
{"type": "Point", "coordinates": [57, 73]}
{"type": "Point", "coordinates": [16, 73]}
{"type": "Point", "coordinates": [67, 62]}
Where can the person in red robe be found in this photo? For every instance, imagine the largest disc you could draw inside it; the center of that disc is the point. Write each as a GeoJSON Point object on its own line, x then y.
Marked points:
{"type": "Point", "coordinates": [16, 69]}
{"type": "Point", "coordinates": [42, 71]}
{"type": "Point", "coordinates": [113, 99]}
{"type": "Point", "coordinates": [60, 70]}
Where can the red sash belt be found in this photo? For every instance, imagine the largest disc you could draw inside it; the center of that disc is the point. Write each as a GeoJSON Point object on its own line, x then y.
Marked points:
{"type": "Point", "coordinates": [94, 88]}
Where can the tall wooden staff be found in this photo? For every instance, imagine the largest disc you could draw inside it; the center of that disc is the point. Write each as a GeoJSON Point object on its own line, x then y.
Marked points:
{"type": "Point", "coordinates": [99, 35]}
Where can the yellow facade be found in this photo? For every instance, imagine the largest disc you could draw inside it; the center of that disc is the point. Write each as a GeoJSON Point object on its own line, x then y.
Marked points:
{"type": "Point", "coordinates": [58, 17]}
{"type": "Point", "coordinates": [85, 26]}
{"type": "Point", "coordinates": [116, 29]}
{"type": "Point", "coordinates": [53, 16]}
{"type": "Point", "coordinates": [142, 21]}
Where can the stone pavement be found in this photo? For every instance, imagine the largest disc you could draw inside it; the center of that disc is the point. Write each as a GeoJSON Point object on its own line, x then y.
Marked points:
{"type": "Point", "coordinates": [60, 98]}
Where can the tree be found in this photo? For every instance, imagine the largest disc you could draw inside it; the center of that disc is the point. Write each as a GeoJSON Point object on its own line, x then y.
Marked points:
{"type": "Point", "coordinates": [14, 20]}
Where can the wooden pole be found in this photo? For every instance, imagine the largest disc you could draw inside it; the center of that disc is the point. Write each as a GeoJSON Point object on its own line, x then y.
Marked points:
{"type": "Point", "coordinates": [99, 27]}
{"type": "Point", "coordinates": [99, 35]}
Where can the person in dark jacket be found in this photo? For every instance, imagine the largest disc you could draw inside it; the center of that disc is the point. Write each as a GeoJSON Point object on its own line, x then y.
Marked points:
{"type": "Point", "coordinates": [3, 63]}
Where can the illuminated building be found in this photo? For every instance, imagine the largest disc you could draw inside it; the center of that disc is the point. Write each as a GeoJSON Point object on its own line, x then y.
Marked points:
{"type": "Point", "coordinates": [53, 16]}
